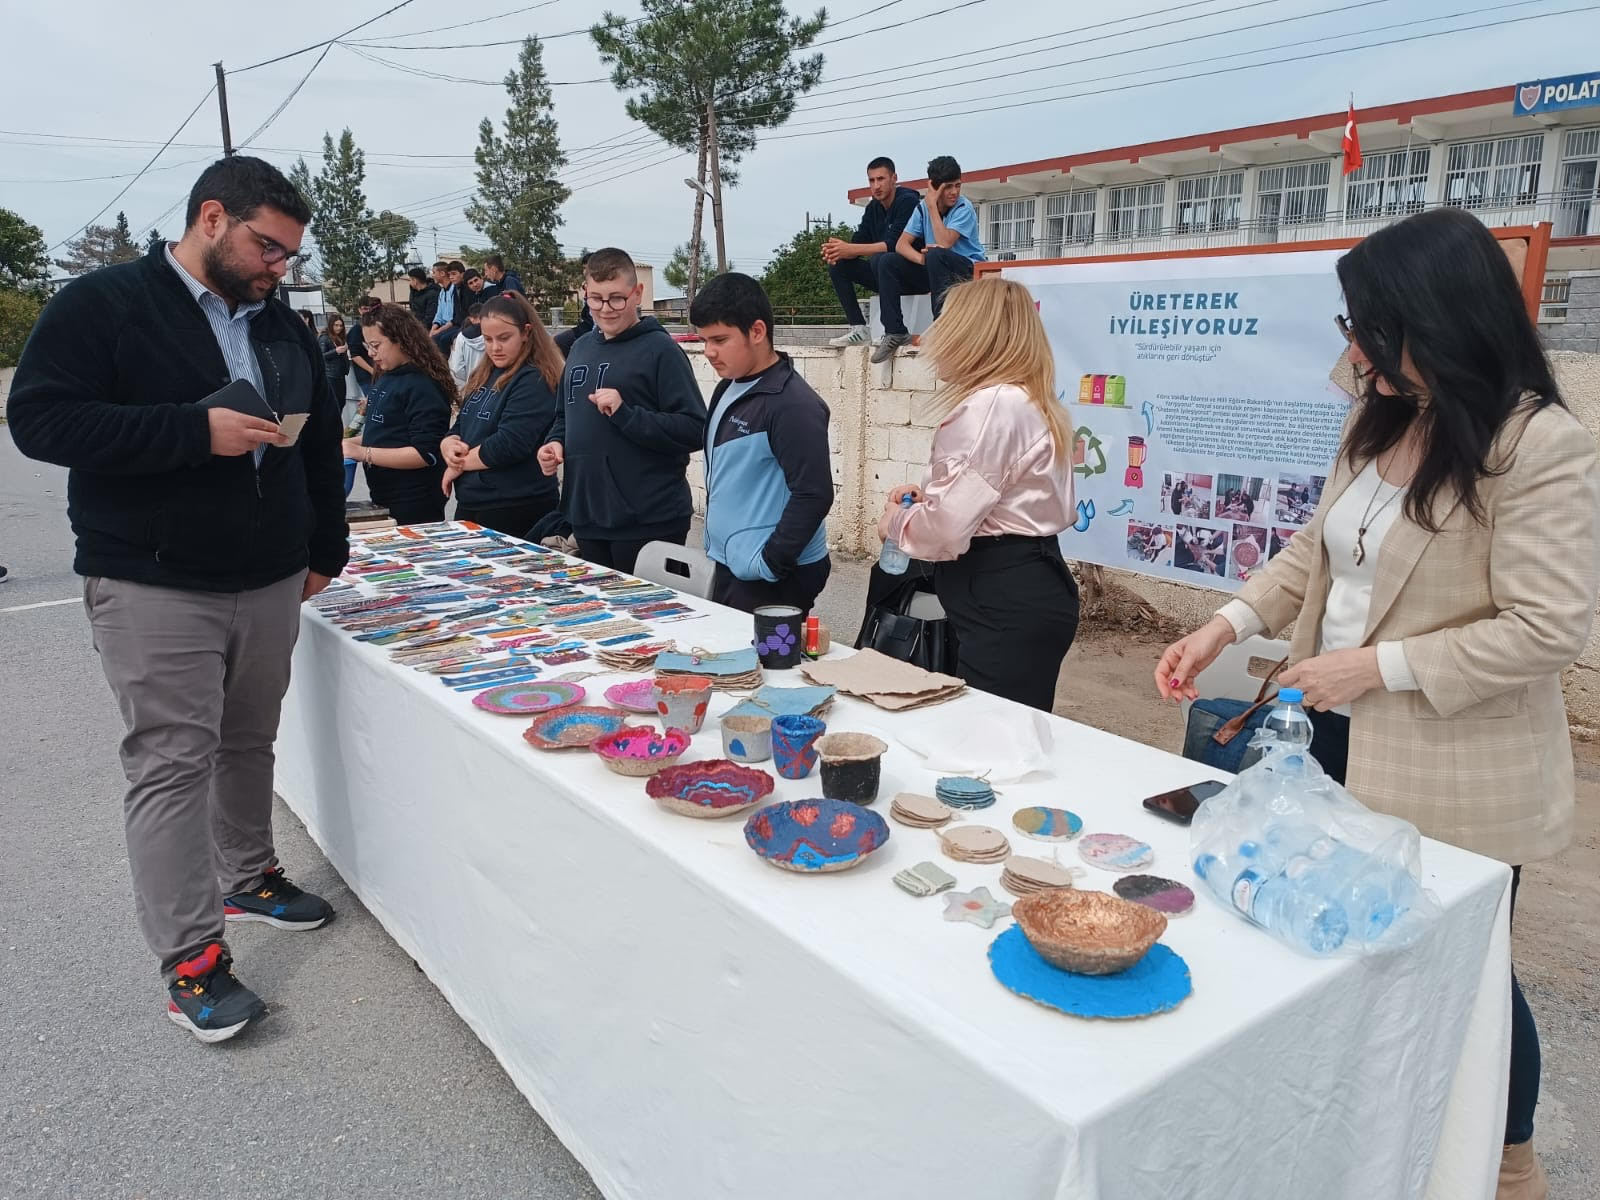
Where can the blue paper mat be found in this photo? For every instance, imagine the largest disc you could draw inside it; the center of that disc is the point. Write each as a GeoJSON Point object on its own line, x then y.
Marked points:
{"type": "Point", "coordinates": [1157, 982]}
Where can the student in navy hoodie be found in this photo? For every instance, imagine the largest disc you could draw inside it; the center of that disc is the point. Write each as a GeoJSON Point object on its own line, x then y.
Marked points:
{"type": "Point", "coordinates": [408, 412]}
{"type": "Point", "coordinates": [510, 403]}
{"type": "Point", "coordinates": [631, 413]}
{"type": "Point", "coordinates": [769, 476]}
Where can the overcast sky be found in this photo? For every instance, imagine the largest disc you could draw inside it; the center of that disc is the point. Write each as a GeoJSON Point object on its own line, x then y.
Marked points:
{"type": "Point", "coordinates": [100, 70]}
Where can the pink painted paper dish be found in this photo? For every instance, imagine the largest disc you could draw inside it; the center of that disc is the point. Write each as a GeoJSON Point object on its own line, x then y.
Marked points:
{"type": "Point", "coordinates": [715, 788]}
{"type": "Point", "coordinates": [635, 697]}
{"type": "Point", "coordinates": [640, 750]}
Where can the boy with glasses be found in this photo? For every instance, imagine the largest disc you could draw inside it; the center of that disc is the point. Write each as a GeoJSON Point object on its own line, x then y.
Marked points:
{"type": "Point", "coordinates": [630, 414]}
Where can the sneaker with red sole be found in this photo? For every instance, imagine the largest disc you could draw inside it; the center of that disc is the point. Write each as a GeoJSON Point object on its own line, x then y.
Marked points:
{"type": "Point", "coordinates": [207, 1000]}
{"type": "Point", "coordinates": [276, 901]}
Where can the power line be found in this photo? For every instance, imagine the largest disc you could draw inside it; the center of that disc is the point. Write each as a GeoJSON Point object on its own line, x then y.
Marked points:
{"type": "Point", "coordinates": [384, 44]}
{"type": "Point", "coordinates": [363, 52]}
{"type": "Point", "coordinates": [924, 114]}
{"type": "Point", "coordinates": [479, 21]}
{"type": "Point", "coordinates": [278, 112]}
{"type": "Point", "coordinates": [267, 62]}
{"type": "Point", "coordinates": [139, 174]}
{"type": "Point", "coordinates": [896, 25]}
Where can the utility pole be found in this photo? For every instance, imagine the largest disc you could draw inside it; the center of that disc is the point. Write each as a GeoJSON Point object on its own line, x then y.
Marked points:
{"type": "Point", "coordinates": [222, 104]}
{"type": "Point", "coordinates": [716, 186]}
{"type": "Point", "coordinates": [435, 229]}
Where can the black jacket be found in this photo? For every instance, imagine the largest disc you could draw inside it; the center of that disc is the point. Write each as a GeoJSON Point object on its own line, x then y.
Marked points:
{"type": "Point", "coordinates": [335, 364]}
{"type": "Point", "coordinates": [879, 224]}
{"type": "Point", "coordinates": [357, 341]}
{"type": "Point", "coordinates": [107, 387]}
{"type": "Point", "coordinates": [625, 474]}
{"type": "Point", "coordinates": [405, 408]}
{"type": "Point", "coordinates": [567, 337]}
{"type": "Point", "coordinates": [507, 426]}
{"type": "Point", "coordinates": [424, 303]}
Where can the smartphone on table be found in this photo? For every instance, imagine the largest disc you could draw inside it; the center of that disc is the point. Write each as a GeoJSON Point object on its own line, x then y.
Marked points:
{"type": "Point", "coordinates": [1180, 804]}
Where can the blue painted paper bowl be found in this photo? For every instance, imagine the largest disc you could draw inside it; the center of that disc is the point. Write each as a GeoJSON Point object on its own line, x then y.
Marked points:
{"type": "Point", "coordinates": [814, 837]}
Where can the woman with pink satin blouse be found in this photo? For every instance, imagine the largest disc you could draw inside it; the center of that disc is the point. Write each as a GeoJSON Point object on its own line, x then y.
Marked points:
{"type": "Point", "coordinates": [997, 494]}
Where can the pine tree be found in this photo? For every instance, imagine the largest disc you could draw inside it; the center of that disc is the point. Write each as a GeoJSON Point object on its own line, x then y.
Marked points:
{"type": "Point", "coordinates": [707, 75]}
{"type": "Point", "coordinates": [341, 222]}
{"type": "Point", "coordinates": [23, 264]}
{"type": "Point", "coordinates": [676, 272]}
{"type": "Point", "coordinates": [518, 205]}
{"type": "Point", "coordinates": [153, 241]}
{"type": "Point", "coordinates": [393, 235]}
{"type": "Point", "coordinates": [100, 246]}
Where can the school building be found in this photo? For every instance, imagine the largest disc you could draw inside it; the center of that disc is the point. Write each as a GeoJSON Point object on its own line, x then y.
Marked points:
{"type": "Point", "coordinates": [1514, 155]}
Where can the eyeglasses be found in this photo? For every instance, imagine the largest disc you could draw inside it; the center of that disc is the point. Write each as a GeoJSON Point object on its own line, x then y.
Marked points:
{"type": "Point", "coordinates": [609, 303]}
{"type": "Point", "coordinates": [272, 252]}
{"type": "Point", "coordinates": [1348, 330]}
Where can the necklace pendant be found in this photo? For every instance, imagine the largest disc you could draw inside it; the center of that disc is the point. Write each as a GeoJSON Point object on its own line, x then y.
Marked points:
{"type": "Point", "coordinates": [1360, 554]}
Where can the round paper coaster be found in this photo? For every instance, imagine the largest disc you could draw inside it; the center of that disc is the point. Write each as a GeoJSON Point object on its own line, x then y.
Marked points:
{"type": "Point", "coordinates": [1164, 895]}
{"type": "Point", "coordinates": [1040, 872]}
{"type": "Point", "coordinates": [974, 843]}
{"type": "Point", "coordinates": [1114, 852]}
{"type": "Point", "coordinates": [1156, 983]}
{"type": "Point", "coordinates": [1047, 824]}
{"type": "Point", "coordinates": [922, 808]}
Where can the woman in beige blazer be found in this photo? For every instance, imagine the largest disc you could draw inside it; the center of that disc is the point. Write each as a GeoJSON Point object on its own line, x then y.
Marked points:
{"type": "Point", "coordinates": [1447, 578]}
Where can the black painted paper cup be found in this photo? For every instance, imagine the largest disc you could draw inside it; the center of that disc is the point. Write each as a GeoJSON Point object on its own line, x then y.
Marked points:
{"type": "Point", "coordinates": [780, 636]}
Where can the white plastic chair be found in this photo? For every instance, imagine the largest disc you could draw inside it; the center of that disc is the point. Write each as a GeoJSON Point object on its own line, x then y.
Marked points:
{"type": "Point", "coordinates": [674, 566]}
{"type": "Point", "coordinates": [1230, 678]}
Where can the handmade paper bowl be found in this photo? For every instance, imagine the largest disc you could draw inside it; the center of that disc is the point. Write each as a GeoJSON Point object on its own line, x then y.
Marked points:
{"type": "Point", "coordinates": [716, 788]}
{"type": "Point", "coordinates": [1091, 933]}
{"type": "Point", "coordinates": [635, 697]}
{"type": "Point", "coordinates": [814, 837]}
{"type": "Point", "coordinates": [852, 766]}
{"type": "Point", "coordinates": [572, 728]}
{"type": "Point", "coordinates": [640, 750]}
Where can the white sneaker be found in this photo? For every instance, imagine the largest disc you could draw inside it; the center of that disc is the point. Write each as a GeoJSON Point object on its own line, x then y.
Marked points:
{"type": "Point", "coordinates": [856, 337]}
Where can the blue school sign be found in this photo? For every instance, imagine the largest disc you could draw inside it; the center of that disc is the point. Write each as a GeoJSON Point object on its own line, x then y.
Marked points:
{"type": "Point", "coordinates": [1552, 95]}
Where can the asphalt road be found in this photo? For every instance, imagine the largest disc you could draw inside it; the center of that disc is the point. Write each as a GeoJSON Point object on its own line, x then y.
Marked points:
{"type": "Point", "coordinates": [362, 1082]}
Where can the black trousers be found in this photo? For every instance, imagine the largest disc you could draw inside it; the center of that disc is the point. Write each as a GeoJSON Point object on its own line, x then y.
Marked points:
{"type": "Point", "coordinates": [899, 276]}
{"type": "Point", "coordinates": [1014, 607]}
{"type": "Point", "coordinates": [515, 519]}
{"type": "Point", "coordinates": [1330, 745]}
{"type": "Point", "coordinates": [800, 587]}
{"type": "Point", "coordinates": [621, 554]}
{"type": "Point", "coordinates": [845, 275]}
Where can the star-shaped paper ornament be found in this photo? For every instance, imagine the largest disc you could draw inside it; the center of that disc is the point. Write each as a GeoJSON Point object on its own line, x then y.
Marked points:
{"type": "Point", "coordinates": [977, 906]}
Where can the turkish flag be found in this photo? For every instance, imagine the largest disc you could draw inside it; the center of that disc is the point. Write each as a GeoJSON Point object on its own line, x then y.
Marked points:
{"type": "Point", "coordinates": [1351, 145]}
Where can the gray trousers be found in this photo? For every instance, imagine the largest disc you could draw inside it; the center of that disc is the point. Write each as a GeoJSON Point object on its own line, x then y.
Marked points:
{"type": "Point", "coordinates": [200, 679]}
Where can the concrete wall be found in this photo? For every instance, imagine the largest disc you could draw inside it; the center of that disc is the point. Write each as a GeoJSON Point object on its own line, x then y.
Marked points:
{"type": "Point", "coordinates": [1580, 331]}
{"type": "Point", "coordinates": [882, 432]}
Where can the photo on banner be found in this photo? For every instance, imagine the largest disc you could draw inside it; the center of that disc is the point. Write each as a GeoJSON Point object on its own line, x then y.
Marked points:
{"type": "Point", "coordinates": [1198, 389]}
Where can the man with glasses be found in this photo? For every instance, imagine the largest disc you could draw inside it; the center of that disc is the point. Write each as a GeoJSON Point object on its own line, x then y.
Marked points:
{"type": "Point", "coordinates": [207, 498]}
{"type": "Point", "coordinates": [630, 415]}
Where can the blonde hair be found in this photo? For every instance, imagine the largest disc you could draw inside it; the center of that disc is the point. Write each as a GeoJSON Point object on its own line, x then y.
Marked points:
{"type": "Point", "coordinates": [988, 333]}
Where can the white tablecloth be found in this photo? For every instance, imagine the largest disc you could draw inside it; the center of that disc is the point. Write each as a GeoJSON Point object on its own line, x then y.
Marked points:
{"type": "Point", "coordinates": [693, 1023]}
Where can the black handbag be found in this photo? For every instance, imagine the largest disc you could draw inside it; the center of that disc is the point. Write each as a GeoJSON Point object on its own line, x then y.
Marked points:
{"type": "Point", "coordinates": [1213, 734]}
{"type": "Point", "coordinates": [888, 628]}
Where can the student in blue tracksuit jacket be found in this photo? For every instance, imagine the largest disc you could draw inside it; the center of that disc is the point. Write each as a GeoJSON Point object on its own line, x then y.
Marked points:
{"type": "Point", "coordinates": [769, 477]}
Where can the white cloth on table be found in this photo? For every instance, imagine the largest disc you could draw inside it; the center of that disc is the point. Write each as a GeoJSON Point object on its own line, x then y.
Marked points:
{"type": "Point", "coordinates": [692, 1021]}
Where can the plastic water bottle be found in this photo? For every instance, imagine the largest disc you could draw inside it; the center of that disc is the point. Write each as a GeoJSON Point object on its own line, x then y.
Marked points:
{"type": "Point", "coordinates": [891, 559]}
{"type": "Point", "coordinates": [1288, 723]}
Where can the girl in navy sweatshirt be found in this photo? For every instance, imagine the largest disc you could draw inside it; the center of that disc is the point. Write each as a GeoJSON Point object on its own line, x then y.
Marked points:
{"type": "Point", "coordinates": [408, 412]}
{"type": "Point", "coordinates": [508, 407]}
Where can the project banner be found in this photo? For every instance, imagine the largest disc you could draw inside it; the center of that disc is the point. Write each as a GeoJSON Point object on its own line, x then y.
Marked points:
{"type": "Point", "coordinates": [1198, 389]}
